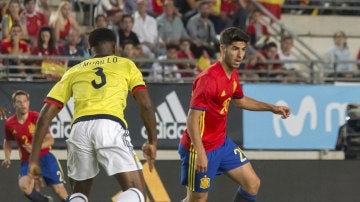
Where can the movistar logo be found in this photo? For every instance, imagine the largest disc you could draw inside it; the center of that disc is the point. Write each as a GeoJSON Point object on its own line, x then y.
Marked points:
{"type": "Point", "coordinates": [294, 125]}
{"type": "Point", "coordinates": [171, 118]}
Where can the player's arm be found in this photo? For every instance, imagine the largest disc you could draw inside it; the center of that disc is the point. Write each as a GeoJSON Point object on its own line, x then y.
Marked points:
{"type": "Point", "coordinates": [3, 113]}
{"type": "Point", "coordinates": [147, 114]}
{"type": "Point", "coordinates": [193, 127]}
{"type": "Point", "coordinates": [255, 105]}
{"type": "Point", "coordinates": [47, 113]}
{"type": "Point", "coordinates": [7, 152]}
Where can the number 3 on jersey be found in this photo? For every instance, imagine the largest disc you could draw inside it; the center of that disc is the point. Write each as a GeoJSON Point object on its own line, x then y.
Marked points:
{"type": "Point", "coordinates": [99, 72]}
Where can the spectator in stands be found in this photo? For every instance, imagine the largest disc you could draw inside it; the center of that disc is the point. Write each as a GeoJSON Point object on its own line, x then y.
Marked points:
{"type": "Point", "coordinates": [185, 52]}
{"type": "Point", "coordinates": [241, 16]}
{"type": "Point", "coordinates": [46, 44]}
{"type": "Point", "coordinates": [259, 34]}
{"type": "Point", "coordinates": [4, 5]}
{"type": "Point", "coordinates": [72, 48]}
{"type": "Point", "coordinates": [42, 6]}
{"type": "Point", "coordinates": [63, 22]}
{"type": "Point", "coordinates": [266, 63]}
{"type": "Point", "coordinates": [34, 20]}
{"type": "Point", "coordinates": [223, 11]}
{"type": "Point", "coordinates": [293, 70]}
{"type": "Point", "coordinates": [128, 49]}
{"type": "Point", "coordinates": [101, 21]}
{"type": "Point", "coordinates": [112, 9]}
{"type": "Point", "coordinates": [202, 30]}
{"type": "Point", "coordinates": [145, 27]}
{"type": "Point", "coordinates": [338, 55]}
{"type": "Point", "coordinates": [14, 45]}
{"type": "Point", "coordinates": [166, 71]}
{"type": "Point", "coordinates": [125, 32]}
{"type": "Point", "coordinates": [170, 26]}
{"type": "Point", "coordinates": [14, 16]}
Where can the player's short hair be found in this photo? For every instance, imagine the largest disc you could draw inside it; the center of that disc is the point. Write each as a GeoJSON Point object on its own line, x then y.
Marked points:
{"type": "Point", "coordinates": [19, 92]}
{"type": "Point", "coordinates": [233, 34]}
{"type": "Point", "coordinates": [101, 35]}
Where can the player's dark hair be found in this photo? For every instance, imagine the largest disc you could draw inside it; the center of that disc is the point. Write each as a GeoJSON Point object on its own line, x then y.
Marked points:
{"type": "Point", "coordinates": [101, 35]}
{"type": "Point", "coordinates": [233, 34]}
{"type": "Point", "coordinates": [19, 92]}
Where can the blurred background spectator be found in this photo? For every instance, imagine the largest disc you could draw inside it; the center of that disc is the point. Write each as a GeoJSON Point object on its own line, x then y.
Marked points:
{"type": "Point", "coordinates": [166, 71]}
{"type": "Point", "coordinates": [63, 21]}
{"type": "Point", "coordinates": [14, 15]}
{"type": "Point", "coordinates": [42, 6]}
{"type": "Point", "coordinates": [34, 20]}
{"type": "Point", "coordinates": [73, 48]}
{"type": "Point", "coordinates": [170, 26]}
{"type": "Point", "coordinates": [338, 55]}
{"type": "Point", "coordinates": [145, 27]}
{"type": "Point", "coordinates": [259, 34]}
{"type": "Point", "coordinates": [125, 32]}
{"type": "Point", "coordinates": [112, 9]}
{"type": "Point", "coordinates": [15, 45]}
{"type": "Point", "coordinates": [201, 29]}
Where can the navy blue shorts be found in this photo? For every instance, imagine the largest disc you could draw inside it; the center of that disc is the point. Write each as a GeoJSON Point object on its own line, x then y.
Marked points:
{"type": "Point", "coordinates": [50, 169]}
{"type": "Point", "coordinates": [220, 160]}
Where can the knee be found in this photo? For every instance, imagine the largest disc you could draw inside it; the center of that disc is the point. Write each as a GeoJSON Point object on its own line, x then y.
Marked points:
{"type": "Point", "coordinates": [254, 186]}
{"type": "Point", "coordinates": [26, 185]}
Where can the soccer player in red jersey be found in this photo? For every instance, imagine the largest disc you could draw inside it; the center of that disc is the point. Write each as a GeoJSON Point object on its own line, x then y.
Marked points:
{"type": "Point", "coordinates": [204, 148]}
{"type": "Point", "coordinates": [20, 128]}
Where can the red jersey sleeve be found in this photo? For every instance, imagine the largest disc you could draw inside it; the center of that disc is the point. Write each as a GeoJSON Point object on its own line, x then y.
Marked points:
{"type": "Point", "coordinates": [8, 134]}
{"type": "Point", "coordinates": [201, 93]}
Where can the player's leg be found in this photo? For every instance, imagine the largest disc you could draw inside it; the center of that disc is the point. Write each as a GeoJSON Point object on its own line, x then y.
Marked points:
{"type": "Point", "coordinates": [116, 155]}
{"type": "Point", "coordinates": [248, 181]}
{"type": "Point", "coordinates": [53, 175]}
{"type": "Point", "coordinates": [198, 184]}
{"type": "Point", "coordinates": [238, 168]}
{"type": "Point", "coordinates": [81, 157]}
{"type": "Point", "coordinates": [26, 185]}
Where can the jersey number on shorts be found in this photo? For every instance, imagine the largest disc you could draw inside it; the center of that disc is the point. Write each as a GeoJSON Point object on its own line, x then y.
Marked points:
{"type": "Point", "coordinates": [60, 174]}
{"type": "Point", "coordinates": [241, 154]}
{"type": "Point", "coordinates": [100, 73]}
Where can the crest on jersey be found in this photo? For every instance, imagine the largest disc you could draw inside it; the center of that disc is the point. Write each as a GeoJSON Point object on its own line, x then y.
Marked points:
{"type": "Point", "coordinates": [31, 128]}
{"type": "Point", "coordinates": [204, 182]}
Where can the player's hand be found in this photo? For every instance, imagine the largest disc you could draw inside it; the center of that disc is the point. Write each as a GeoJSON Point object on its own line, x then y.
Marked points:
{"type": "Point", "coordinates": [6, 163]}
{"type": "Point", "coordinates": [201, 162]}
{"type": "Point", "coordinates": [3, 113]}
{"type": "Point", "coordinates": [284, 111]}
{"type": "Point", "coordinates": [27, 147]}
{"type": "Point", "coordinates": [149, 152]}
{"type": "Point", "coordinates": [35, 174]}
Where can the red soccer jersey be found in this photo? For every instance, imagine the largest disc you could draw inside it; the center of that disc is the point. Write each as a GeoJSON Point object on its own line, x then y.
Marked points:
{"type": "Point", "coordinates": [6, 46]}
{"type": "Point", "coordinates": [22, 133]}
{"type": "Point", "coordinates": [34, 22]}
{"type": "Point", "coordinates": [211, 93]}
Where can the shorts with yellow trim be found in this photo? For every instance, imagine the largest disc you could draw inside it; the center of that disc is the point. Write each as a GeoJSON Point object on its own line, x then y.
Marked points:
{"type": "Point", "coordinates": [220, 160]}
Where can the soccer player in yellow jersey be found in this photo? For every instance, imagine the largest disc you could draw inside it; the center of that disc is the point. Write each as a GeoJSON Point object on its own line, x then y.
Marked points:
{"type": "Point", "coordinates": [99, 133]}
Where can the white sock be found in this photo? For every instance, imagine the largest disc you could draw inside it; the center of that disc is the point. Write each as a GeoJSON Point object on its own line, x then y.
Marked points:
{"type": "Point", "coordinates": [78, 197]}
{"type": "Point", "coordinates": [131, 195]}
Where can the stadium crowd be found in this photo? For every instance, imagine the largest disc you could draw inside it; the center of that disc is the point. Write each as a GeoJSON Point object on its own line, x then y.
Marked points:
{"type": "Point", "coordinates": [184, 33]}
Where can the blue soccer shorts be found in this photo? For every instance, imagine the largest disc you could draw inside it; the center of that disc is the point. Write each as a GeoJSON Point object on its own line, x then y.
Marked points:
{"type": "Point", "coordinates": [220, 160]}
{"type": "Point", "coordinates": [50, 169]}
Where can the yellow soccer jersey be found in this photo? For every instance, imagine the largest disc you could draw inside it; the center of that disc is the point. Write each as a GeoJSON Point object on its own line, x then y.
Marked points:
{"type": "Point", "coordinates": [99, 86]}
